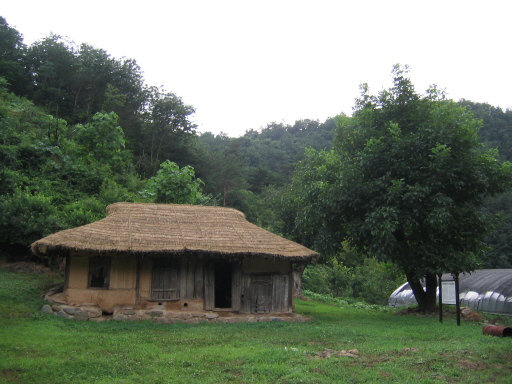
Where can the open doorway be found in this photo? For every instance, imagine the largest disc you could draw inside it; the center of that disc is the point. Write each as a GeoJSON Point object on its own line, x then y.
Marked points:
{"type": "Point", "coordinates": [223, 282]}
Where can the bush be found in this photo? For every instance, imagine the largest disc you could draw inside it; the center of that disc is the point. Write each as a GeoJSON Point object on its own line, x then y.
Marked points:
{"type": "Point", "coordinates": [25, 217]}
{"type": "Point", "coordinates": [372, 281]}
{"type": "Point", "coordinates": [316, 278]}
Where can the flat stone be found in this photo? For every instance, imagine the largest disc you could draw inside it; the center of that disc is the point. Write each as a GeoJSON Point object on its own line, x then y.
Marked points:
{"type": "Point", "coordinates": [69, 310]}
{"type": "Point", "coordinates": [156, 313]}
{"type": "Point", "coordinates": [92, 311]}
{"type": "Point", "coordinates": [64, 315]}
{"type": "Point", "coordinates": [81, 315]}
{"type": "Point", "coordinates": [47, 309]}
{"type": "Point", "coordinates": [211, 315]}
{"type": "Point", "coordinates": [230, 320]}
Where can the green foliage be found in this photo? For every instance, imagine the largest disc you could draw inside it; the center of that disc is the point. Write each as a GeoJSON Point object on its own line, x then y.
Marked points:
{"type": "Point", "coordinates": [173, 185]}
{"type": "Point", "coordinates": [81, 212]}
{"type": "Point", "coordinates": [12, 51]}
{"type": "Point", "coordinates": [371, 282]}
{"type": "Point", "coordinates": [81, 158]}
{"type": "Point", "coordinates": [496, 131]}
{"type": "Point", "coordinates": [54, 176]}
{"type": "Point", "coordinates": [302, 205]}
{"type": "Point", "coordinates": [103, 137]}
{"type": "Point", "coordinates": [26, 217]}
{"type": "Point", "coordinates": [499, 241]}
{"type": "Point", "coordinates": [405, 182]}
{"type": "Point", "coordinates": [74, 83]}
{"type": "Point", "coordinates": [416, 177]}
{"type": "Point", "coordinates": [166, 131]}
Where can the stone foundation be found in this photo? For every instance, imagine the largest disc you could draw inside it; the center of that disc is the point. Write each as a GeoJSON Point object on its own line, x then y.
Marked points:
{"type": "Point", "coordinates": [91, 312]}
{"type": "Point", "coordinates": [191, 314]}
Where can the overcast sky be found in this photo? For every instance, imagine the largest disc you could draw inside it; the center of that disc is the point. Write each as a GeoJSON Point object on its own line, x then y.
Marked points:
{"type": "Point", "coordinates": [244, 64]}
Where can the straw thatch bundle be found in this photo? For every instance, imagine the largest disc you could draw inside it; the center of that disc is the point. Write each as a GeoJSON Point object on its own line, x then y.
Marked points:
{"type": "Point", "coordinates": [171, 229]}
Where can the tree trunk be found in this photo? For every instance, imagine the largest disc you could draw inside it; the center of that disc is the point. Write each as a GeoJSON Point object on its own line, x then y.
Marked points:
{"type": "Point", "coordinates": [417, 290]}
{"type": "Point", "coordinates": [431, 292]}
{"type": "Point", "coordinates": [426, 297]}
{"type": "Point", "coordinates": [298, 270]}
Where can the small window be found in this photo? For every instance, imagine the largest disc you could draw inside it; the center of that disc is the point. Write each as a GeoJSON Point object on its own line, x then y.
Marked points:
{"type": "Point", "coordinates": [99, 272]}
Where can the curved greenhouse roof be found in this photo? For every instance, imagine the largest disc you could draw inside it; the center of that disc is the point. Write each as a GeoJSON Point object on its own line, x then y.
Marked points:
{"type": "Point", "coordinates": [487, 290]}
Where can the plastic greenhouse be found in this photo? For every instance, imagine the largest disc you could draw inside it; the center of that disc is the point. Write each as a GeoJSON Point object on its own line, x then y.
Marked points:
{"type": "Point", "coordinates": [487, 290]}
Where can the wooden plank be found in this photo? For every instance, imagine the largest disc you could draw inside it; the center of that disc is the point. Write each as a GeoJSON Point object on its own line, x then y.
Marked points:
{"type": "Point", "coordinates": [236, 288]}
{"type": "Point", "coordinates": [183, 280]}
{"type": "Point", "coordinates": [198, 291]}
{"type": "Point", "coordinates": [245, 289]}
{"type": "Point", "coordinates": [261, 293]}
{"type": "Point", "coordinates": [280, 293]}
{"type": "Point", "coordinates": [209, 286]}
{"type": "Point", "coordinates": [190, 279]}
{"type": "Point", "coordinates": [165, 283]}
{"type": "Point", "coordinates": [137, 280]}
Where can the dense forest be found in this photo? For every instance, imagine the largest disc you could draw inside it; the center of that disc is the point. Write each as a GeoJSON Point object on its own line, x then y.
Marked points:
{"type": "Point", "coordinates": [80, 129]}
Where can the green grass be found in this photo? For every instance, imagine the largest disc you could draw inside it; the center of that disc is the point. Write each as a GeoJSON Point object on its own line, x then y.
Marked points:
{"type": "Point", "coordinates": [40, 348]}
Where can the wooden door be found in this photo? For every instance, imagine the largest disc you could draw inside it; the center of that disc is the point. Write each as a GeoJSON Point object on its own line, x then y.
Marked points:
{"type": "Point", "coordinates": [261, 293]}
{"type": "Point", "coordinates": [165, 283]}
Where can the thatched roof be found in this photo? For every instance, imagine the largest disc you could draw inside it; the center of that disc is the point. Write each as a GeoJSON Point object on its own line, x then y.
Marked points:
{"type": "Point", "coordinates": [172, 229]}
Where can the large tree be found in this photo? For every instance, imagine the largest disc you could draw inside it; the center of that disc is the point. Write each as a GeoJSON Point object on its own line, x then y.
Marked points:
{"type": "Point", "coordinates": [12, 51]}
{"type": "Point", "coordinates": [406, 182]}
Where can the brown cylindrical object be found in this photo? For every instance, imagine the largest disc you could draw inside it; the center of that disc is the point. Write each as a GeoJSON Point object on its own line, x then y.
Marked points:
{"type": "Point", "coordinates": [495, 330]}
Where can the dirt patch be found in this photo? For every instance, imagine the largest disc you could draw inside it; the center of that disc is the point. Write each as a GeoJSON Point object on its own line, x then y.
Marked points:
{"type": "Point", "coordinates": [472, 365]}
{"type": "Point", "coordinates": [407, 311]}
{"type": "Point", "coordinates": [11, 375]}
{"type": "Point", "coordinates": [327, 353]}
{"type": "Point", "coordinates": [470, 315]}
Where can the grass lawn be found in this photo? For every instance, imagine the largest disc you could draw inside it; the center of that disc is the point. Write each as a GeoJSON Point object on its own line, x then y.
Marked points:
{"type": "Point", "coordinates": [342, 344]}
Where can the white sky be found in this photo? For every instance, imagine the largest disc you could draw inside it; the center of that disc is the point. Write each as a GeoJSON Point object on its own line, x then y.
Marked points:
{"type": "Point", "coordinates": [243, 64]}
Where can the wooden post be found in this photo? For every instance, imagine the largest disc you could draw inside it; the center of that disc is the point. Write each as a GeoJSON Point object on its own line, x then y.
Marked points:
{"type": "Point", "coordinates": [440, 284]}
{"type": "Point", "coordinates": [457, 298]}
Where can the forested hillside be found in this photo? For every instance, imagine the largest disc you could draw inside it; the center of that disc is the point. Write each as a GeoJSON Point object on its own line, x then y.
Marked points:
{"type": "Point", "coordinates": [80, 129]}
{"type": "Point", "coordinates": [496, 132]}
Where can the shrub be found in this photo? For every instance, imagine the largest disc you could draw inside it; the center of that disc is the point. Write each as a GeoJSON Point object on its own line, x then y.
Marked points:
{"type": "Point", "coordinates": [372, 281]}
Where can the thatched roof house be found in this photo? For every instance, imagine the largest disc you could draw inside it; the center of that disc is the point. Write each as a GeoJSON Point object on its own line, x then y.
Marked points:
{"type": "Point", "coordinates": [177, 257]}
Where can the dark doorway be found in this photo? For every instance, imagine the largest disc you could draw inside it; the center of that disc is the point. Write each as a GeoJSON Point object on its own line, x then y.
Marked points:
{"type": "Point", "coordinates": [223, 281]}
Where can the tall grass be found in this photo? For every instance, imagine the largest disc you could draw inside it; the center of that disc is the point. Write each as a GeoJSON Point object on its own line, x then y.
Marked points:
{"type": "Point", "coordinates": [41, 348]}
